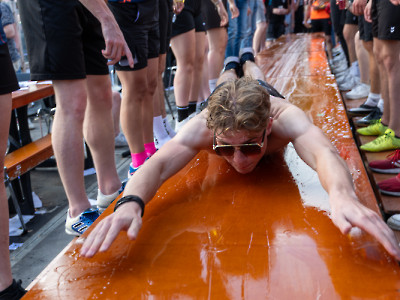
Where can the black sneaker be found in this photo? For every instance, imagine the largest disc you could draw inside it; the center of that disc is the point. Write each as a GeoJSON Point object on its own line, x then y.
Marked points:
{"type": "Point", "coordinates": [363, 109]}
{"type": "Point", "coordinates": [373, 116]}
{"type": "Point", "coordinates": [14, 292]}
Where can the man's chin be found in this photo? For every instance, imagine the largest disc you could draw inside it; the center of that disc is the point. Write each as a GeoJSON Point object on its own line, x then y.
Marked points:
{"type": "Point", "coordinates": [245, 170]}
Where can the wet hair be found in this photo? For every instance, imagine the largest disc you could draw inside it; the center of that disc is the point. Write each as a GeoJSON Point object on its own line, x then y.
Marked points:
{"type": "Point", "coordinates": [241, 104]}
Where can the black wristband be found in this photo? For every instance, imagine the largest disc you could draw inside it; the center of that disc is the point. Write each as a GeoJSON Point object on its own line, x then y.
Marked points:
{"type": "Point", "coordinates": [130, 198]}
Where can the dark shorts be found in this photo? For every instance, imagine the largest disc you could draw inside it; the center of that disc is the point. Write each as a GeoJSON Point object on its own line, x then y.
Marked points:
{"type": "Point", "coordinates": [275, 30]}
{"type": "Point", "coordinates": [211, 16]}
{"type": "Point", "coordinates": [350, 18]}
{"type": "Point", "coordinates": [385, 20]}
{"type": "Point", "coordinates": [8, 80]}
{"type": "Point", "coordinates": [139, 24]}
{"type": "Point", "coordinates": [189, 18]}
{"type": "Point", "coordinates": [64, 40]}
{"type": "Point", "coordinates": [165, 24]}
{"type": "Point", "coordinates": [321, 25]}
{"type": "Point", "coordinates": [365, 29]}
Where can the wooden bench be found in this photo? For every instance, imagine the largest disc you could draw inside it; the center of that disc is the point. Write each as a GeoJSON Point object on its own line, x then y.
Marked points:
{"type": "Point", "coordinates": [28, 156]}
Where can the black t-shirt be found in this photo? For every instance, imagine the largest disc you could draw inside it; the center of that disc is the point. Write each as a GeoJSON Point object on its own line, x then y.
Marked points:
{"type": "Point", "coordinates": [276, 4]}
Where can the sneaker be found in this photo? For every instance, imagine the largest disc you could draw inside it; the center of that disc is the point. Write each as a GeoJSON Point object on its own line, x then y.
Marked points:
{"type": "Point", "coordinates": [359, 91]}
{"type": "Point", "coordinates": [14, 292]}
{"type": "Point", "coordinates": [348, 84]}
{"type": "Point", "coordinates": [337, 49]}
{"type": "Point", "coordinates": [232, 62]}
{"type": "Point", "coordinates": [363, 109]}
{"type": "Point", "coordinates": [120, 140]}
{"type": "Point", "coordinates": [377, 128]}
{"type": "Point", "coordinates": [385, 142]}
{"type": "Point", "coordinates": [78, 225]}
{"type": "Point", "coordinates": [394, 222]}
{"type": "Point", "coordinates": [390, 186]}
{"type": "Point", "coordinates": [246, 54]}
{"type": "Point", "coordinates": [103, 201]}
{"type": "Point", "coordinates": [132, 170]}
{"type": "Point", "coordinates": [390, 165]}
{"type": "Point", "coordinates": [371, 118]}
{"type": "Point", "coordinates": [168, 129]}
{"type": "Point", "coordinates": [179, 125]}
{"type": "Point", "coordinates": [339, 56]}
{"type": "Point", "coordinates": [339, 67]}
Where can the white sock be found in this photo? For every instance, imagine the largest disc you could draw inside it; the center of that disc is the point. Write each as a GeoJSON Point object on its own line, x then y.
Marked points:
{"type": "Point", "coordinates": [212, 83]}
{"type": "Point", "coordinates": [354, 70]}
{"type": "Point", "coordinates": [159, 129]}
{"type": "Point", "coordinates": [373, 99]}
{"type": "Point", "coordinates": [380, 105]}
{"type": "Point", "coordinates": [168, 128]}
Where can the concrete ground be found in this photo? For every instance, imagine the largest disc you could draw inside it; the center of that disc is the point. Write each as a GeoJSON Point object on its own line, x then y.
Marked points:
{"type": "Point", "coordinates": [46, 237]}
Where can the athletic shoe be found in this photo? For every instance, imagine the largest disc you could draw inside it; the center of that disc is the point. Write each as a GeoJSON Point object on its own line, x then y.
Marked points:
{"type": "Point", "coordinates": [371, 118]}
{"type": "Point", "coordinates": [120, 140]}
{"type": "Point", "coordinates": [179, 125]}
{"type": "Point", "coordinates": [390, 165]}
{"type": "Point", "coordinates": [132, 170]}
{"type": "Point", "coordinates": [78, 225]}
{"type": "Point", "coordinates": [246, 54]}
{"type": "Point", "coordinates": [390, 186]}
{"type": "Point", "coordinates": [168, 129]}
{"type": "Point", "coordinates": [103, 201]}
{"type": "Point", "coordinates": [14, 292]}
{"type": "Point", "coordinates": [349, 83]}
{"type": "Point", "coordinates": [363, 109]}
{"type": "Point", "coordinates": [337, 49]}
{"type": "Point", "coordinates": [339, 67]}
{"type": "Point", "coordinates": [359, 91]}
{"type": "Point", "coordinates": [394, 222]}
{"type": "Point", "coordinates": [233, 62]}
{"type": "Point", "coordinates": [385, 142]}
{"type": "Point", "coordinates": [376, 128]}
{"type": "Point", "coordinates": [338, 57]}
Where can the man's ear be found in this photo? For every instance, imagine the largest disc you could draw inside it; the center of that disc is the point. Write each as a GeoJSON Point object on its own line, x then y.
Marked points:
{"type": "Point", "coordinates": [269, 126]}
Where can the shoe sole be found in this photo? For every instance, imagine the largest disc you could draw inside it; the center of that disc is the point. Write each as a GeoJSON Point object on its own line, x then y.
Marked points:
{"type": "Point", "coordinates": [394, 226]}
{"type": "Point", "coordinates": [396, 194]}
{"type": "Point", "coordinates": [359, 112]}
{"type": "Point", "coordinates": [71, 232]}
{"type": "Point", "coordinates": [386, 171]}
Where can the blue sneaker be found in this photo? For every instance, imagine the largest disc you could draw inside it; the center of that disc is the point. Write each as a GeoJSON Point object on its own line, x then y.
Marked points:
{"type": "Point", "coordinates": [78, 225]}
{"type": "Point", "coordinates": [132, 170]}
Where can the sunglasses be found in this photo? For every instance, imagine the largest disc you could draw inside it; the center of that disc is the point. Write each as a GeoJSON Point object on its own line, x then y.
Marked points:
{"type": "Point", "coordinates": [246, 149]}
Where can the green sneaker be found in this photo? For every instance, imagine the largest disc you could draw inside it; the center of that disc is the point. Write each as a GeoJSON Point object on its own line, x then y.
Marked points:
{"type": "Point", "coordinates": [376, 128]}
{"type": "Point", "coordinates": [388, 141]}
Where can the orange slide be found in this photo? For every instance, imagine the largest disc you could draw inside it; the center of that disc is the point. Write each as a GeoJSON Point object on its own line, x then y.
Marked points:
{"type": "Point", "coordinates": [211, 233]}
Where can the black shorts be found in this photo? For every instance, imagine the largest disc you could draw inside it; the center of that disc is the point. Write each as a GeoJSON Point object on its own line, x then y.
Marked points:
{"type": "Point", "coordinates": [321, 25]}
{"type": "Point", "coordinates": [365, 29]}
{"type": "Point", "coordinates": [8, 80]}
{"type": "Point", "coordinates": [350, 18]}
{"type": "Point", "coordinates": [64, 40]}
{"type": "Point", "coordinates": [189, 18]}
{"type": "Point", "coordinates": [275, 30]}
{"type": "Point", "coordinates": [165, 24]}
{"type": "Point", "coordinates": [385, 20]}
{"type": "Point", "coordinates": [211, 16]}
{"type": "Point", "coordinates": [139, 24]}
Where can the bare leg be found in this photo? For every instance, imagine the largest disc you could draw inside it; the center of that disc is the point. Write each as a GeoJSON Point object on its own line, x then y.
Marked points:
{"type": "Point", "coordinates": [349, 31]}
{"type": "Point", "coordinates": [147, 105]}
{"type": "Point", "coordinates": [183, 46]}
{"type": "Point", "coordinates": [373, 68]}
{"type": "Point", "coordinates": [217, 40]}
{"type": "Point", "coordinates": [200, 38]}
{"type": "Point", "coordinates": [251, 69]}
{"type": "Point", "coordinates": [204, 87]}
{"type": "Point", "coordinates": [259, 37]}
{"type": "Point", "coordinates": [99, 132]}
{"type": "Point", "coordinates": [116, 108]}
{"type": "Point", "coordinates": [5, 267]}
{"type": "Point", "coordinates": [363, 59]}
{"type": "Point", "coordinates": [67, 140]}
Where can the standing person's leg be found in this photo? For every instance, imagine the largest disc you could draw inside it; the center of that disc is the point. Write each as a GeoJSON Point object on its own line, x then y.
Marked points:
{"type": "Point", "coordinates": [217, 40]}
{"type": "Point", "coordinates": [147, 106]}
{"type": "Point", "coordinates": [67, 140]}
{"type": "Point", "coordinates": [99, 132]}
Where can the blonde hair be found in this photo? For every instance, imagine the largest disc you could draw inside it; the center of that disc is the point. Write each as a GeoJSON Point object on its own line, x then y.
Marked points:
{"type": "Point", "coordinates": [241, 104]}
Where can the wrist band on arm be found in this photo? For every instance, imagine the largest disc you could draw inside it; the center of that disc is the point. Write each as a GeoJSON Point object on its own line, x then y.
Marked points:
{"type": "Point", "coordinates": [130, 198]}
{"type": "Point", "coordinates": [216, 2]}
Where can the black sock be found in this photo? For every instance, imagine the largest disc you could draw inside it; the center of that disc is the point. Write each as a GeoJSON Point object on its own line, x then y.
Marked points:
{"type": "Point", "coordinates": [14, 291]}
{"type": "Point", "coordinates": [247, 56]}
{"type": "Point", "coordinates": [192, 107]}
{"type": "Point", "coordinates": [183, 112]}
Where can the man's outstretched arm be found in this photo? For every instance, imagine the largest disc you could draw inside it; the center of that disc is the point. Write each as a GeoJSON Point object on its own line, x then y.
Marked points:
{"type": "Point", "coordinates": [145, 182]}
{"type": "Point", "coordinates": [347, 212]}
{"type": "Point", "coordinates": [116, 46]}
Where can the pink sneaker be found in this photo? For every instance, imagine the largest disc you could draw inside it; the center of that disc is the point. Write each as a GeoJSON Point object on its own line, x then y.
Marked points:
{"type": "Point", "coordinates": [391, 165]}
{"type": "Point", "coordinates": [390, 186]}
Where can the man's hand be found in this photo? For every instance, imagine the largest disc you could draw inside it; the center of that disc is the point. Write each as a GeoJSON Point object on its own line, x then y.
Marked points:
{"type": "Point", "coordinates": [358, 7]}
{"type": "Point", "coordinates": [128, 218]}
{"type": "Point", "coordinates": [233, 9]}
{"type": "Point", "coordinates": [178, 6]}
{"type": "Point", "coordinates": [222, 14]}
{"type": "Point", "coordinates": [351, 213]}
{"type": "Point", "coordinates": [367, 12]}
{"type": "Point", "coordinates": [395, 2]}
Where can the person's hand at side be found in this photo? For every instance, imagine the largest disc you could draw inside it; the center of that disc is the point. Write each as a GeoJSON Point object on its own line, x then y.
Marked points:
{"type": "Point", "coordinates": [367, 12]}
{"type": "Point", "coordinates": [223, 14]}
{"type": "Point", "coordinates": [178, 6]}
{"type": "Point", "coordinates": [126, 218]}
{"type": "Point", "coordinates": [233, 9]}
{"type": "Point", "coordinates": [358, 7]}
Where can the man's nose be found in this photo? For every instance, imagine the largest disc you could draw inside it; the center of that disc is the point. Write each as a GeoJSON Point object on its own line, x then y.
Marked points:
{"type": "Point", "coordinates": [238, 156]}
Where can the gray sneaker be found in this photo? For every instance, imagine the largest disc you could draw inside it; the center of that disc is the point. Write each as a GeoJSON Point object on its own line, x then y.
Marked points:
{"type": "Point", "coordinates": [372, 117]}
{"type": "Point", "coordinates": [120, 140]}
{"type": "Point", "coordinates": [363, 109]}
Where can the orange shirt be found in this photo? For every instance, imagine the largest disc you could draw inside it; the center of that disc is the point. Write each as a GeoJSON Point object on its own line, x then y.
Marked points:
{"type": "Point", "coordinates": [318, 10]}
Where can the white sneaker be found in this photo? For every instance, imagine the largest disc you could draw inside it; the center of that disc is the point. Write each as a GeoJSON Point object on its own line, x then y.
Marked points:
{"type": "Point", "coordinates": [339, 67]}
{"type": "Point", "coordinates": [394, 222]}
{"type": "Point", "coordinates": [120, 140]}
{"type": "Point", "coordinates": [103, 201]}
{"type": "Point", "coordinates": [168, 129]}
{"type": "Point", "coordinates": [78, 225]}
{"type": "Point", "coordinates": [179, 125]}
{"type": "Point", "coordinates": [337, 49]}
{"type": "Point", "coordinates": [347, 85]}
{"type": "Point", "coordinates": [361, 90]}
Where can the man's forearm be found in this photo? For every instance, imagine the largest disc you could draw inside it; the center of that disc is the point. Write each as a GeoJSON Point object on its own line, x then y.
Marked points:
{"type": "Point", "coordinates": [99, 9]}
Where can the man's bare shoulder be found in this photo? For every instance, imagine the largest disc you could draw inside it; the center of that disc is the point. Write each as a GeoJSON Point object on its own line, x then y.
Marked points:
{"type": "Point", "coordinates": [195, 133]}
